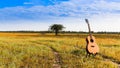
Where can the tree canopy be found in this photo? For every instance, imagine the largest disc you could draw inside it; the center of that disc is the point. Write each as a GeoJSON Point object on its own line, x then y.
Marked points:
{"type": "Point", "coordinates": [56, 28]}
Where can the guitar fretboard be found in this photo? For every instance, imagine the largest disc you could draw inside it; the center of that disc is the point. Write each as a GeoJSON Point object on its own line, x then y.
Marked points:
{"type": "Point", "coordinates": [89, 28]}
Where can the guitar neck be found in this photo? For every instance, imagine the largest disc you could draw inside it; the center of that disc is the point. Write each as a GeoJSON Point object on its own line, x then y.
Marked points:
{"type": "Point", "coordinates": [89, 27]}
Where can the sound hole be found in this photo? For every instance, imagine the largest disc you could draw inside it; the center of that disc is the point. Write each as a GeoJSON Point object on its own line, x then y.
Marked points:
{"type": "Point", "coordinates": [91, 40]}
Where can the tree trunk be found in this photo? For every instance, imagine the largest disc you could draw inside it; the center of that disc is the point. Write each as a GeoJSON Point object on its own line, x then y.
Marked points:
{"type": "Point", "coordinates": [56, 32]}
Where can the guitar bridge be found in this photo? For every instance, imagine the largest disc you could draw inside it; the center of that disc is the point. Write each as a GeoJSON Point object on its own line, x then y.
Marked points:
{"type": "Point", "coordinates": [92, 46]}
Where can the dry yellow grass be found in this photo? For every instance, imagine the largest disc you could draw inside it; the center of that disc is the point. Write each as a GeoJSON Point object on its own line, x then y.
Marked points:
{"type": "Point", "coordinates": [33, 50]}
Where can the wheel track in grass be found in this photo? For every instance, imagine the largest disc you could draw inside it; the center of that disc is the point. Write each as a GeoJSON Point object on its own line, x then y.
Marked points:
{"type": "Point", "coordinates": [111, 59]}
{"type": "Point", "coordinates": [106, 58]}
{"type": "Point", "coordinates": [58, 60]}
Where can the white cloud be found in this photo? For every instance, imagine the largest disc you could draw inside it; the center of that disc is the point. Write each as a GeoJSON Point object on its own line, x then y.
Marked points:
{"type": "Point", "coordinates": [24, 25]}
{"type": "Point", "coordinates": [72, 8]}
{"type": "Point", "coordinates": [103, 15]}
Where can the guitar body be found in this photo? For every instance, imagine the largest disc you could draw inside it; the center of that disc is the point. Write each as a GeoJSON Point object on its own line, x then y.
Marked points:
{"type": "Point", "coordinates": [92, 47]}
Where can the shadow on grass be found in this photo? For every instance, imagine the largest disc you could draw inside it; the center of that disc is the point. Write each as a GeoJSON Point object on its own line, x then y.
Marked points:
{"type": "Point", "coordinates": [111, 46]}
{"type": "Point", "coordinates": [80, 52]}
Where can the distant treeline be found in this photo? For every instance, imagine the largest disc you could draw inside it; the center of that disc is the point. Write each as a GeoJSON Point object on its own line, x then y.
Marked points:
{"type": "Point", "coordinates": [102, 32]}
{"type": "Point", "coordinates": [26, 31]}
{"type": "Point", "coordinates": [108, 32]}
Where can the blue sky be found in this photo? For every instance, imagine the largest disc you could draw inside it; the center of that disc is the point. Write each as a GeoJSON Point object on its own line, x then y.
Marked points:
{"type": "Point", "coordinates": [40, 14]}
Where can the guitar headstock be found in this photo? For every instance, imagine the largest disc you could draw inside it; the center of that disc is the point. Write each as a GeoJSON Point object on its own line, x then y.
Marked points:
{"type": "Point", "coordinates": [86, 20]}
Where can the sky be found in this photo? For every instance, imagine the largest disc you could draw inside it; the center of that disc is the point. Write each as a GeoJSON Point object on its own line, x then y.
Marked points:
{"type": "Point", "coordinates": [38, 15]}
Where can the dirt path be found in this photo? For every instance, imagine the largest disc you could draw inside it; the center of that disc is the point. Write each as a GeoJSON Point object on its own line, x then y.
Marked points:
{"type": "Point", "coordinates": [57, 61]}
{"type": "Point", "coordinates": [106, 58]}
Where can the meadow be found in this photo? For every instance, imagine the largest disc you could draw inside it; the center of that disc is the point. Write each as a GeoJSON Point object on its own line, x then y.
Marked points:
{"type": "Point", "coordinates": [36, 50]}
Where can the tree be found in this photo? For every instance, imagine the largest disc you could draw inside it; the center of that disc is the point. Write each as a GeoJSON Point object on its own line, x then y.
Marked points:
{"type": "Point", "coordinates": [56, 28]}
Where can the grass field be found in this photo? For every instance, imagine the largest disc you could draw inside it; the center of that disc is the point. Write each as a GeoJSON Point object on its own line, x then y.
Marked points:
{"type": "Point", "coordinates": [27, 50]}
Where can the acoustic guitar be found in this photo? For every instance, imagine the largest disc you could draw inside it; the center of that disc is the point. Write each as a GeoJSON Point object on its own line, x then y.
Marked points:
{"type": "Point", "coordinates": [91, 47]}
